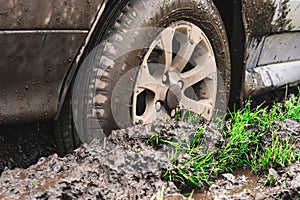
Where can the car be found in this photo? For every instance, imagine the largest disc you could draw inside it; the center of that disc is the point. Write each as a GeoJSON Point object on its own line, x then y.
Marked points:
{"type": "Point", "coordinates": [96, 65]}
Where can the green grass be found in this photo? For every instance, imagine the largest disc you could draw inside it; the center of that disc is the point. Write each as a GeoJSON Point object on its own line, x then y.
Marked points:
{"type": "Point", "coordinates": [250, 140]}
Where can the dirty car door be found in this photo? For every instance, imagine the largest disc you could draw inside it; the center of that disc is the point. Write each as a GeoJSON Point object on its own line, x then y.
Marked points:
{"type": "Point", "coordinates": [38, 42]}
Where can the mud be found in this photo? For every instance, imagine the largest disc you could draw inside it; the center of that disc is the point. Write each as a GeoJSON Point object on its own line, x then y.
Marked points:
{"type": "Point", "coordinates": [125, 167]}
{"type": "Point", "coordinates": [268, 16]}
{"type": "Point", "coordinates": [259, 16]}
{"type": "Point", "coordinates": [246, 185]}
{"type": "Point", "coordinates": [122, 168]}
{"type": "Point", "coordinates": [23, 145]}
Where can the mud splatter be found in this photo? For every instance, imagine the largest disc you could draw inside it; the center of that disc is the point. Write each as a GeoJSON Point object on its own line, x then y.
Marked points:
{"type": "Point", "coordinates": [259, 16]}
{"type": "Point", "coordinates": [265, 17]}
{"type": "Point", "coordinates": [282, 22]}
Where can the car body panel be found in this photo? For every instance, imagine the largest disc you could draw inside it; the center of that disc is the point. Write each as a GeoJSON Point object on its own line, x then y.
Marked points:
{"type": "Point", "coordinates": [278, 48]}
{"type": "Point", "coordinates": [267, 22]}
{"type": "Point", "coordinates": [270, 16]}
{"type": "Point", "coordinates": [272, 38]}
{"type": "Point", "coordinates": [33, 71]}
{"type": "Point", "coordinates": [45, 14]}
{"type": "Point", "coordinates": [286, 16]}
{"type": "Point", "coordinates": [269, 77]}
{"type": "Point", "coordinates": [39, 42]}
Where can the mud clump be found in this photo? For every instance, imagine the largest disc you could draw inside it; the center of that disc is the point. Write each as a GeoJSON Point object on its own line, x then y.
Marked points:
{"type": "Point", "coordinates": [124, 167]}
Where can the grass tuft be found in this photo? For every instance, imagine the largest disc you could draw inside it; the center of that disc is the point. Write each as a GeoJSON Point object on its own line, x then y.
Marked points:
{"type": "Point", "coordinates": [250, 139]}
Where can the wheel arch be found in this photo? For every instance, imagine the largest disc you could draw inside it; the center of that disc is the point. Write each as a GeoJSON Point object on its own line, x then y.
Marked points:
{"type": "Point", "coordinates": [92, 37]}
{"type": "Point", "coordinates": [232, 15]}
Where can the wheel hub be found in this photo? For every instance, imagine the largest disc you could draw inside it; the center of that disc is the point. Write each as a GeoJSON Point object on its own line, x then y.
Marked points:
{"type": "Point", "coordinates": [173, 97]}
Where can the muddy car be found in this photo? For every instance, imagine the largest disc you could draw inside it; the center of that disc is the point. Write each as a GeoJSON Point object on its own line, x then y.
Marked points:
{"type": "Point", "coordinates": [97, 65]}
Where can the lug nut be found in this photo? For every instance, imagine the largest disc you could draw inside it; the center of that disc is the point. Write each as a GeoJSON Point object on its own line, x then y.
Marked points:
{"type": "Point", "coordinates": [164, 78]}
{"type": "Point", "coordinates": [180, 84]}
{"type": "Point", "coordinates": [158, 106]}
{"type": "Point", "coordinates": [139, 122]}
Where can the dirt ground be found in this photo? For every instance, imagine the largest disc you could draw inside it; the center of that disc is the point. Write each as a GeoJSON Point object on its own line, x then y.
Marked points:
{"type": "Point", "coordinates": [124, 167]}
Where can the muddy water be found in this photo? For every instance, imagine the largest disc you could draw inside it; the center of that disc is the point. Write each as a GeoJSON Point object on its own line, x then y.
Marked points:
{"type": "Point", "coordinates": [245, 185]}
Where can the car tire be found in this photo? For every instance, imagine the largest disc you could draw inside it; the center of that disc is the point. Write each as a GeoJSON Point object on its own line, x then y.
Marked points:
{"type": "Point", "coordinates": [101, 72]}
{"type": "Point", "coordinates": [65, 134]}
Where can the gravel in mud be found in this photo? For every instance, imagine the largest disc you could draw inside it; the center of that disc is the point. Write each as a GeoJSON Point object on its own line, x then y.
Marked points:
{"type": "Point", "coordinates": [124, 167]}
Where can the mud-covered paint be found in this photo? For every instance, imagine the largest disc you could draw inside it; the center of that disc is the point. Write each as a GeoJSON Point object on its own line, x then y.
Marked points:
{"type": "Point", "coordinates": [269, 41]}
{"type": "Point", "coordinates": [278, 48]}
{"type": "Point", "coordinates": [271, 49]}
{"type": "Point", "coordinates": [253, 50]}
{"type": "Point", "coordinates": [47, 14]}
{"type": "Point", "coordinates": [270, 16]}
{"type": "Point", "coordinates": [267, 78]}
{"type": "Point", "coordinates": [38, 43]}
{"type": "Point", "coordinates": [33, 66]}
{"type": "Point", "coordinates": [263, 19]}
{"type": "Point", "coordinates": [286, 17]}
{"type": "Point", "coordinates": [258, 16]}
{"type": "Point", "coordinates": [280, 20]}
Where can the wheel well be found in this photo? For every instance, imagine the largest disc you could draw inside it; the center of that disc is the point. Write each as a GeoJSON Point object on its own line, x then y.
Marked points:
{"type": "Point", "coordinates": [231, 13]}
{"type": "Point", "coordinates": [226, 10]}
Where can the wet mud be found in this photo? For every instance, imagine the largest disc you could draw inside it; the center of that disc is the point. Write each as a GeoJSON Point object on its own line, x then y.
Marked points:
{"type": "Point", "coordinates": [268, 16]}
{"type": "Point", "coordinates": [122, 168]}
{"type": "Point", "coordinates": [125, 167]}
{"type": "Point", "coordinates": [246, 185]}
{"type": "Point", "coordinates": [23, 145]}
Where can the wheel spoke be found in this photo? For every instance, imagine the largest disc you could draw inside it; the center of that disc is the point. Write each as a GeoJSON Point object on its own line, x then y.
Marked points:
{"type": "Point", "coordinates": [165, 41]}
{"type": "Point", "coordinates": [199, 72]}
{"type": "Point", "coordinates": [183, 56]}
{"type": "Point", "coordinates": [202, 107]}
{"type": "Point", "coordinates": [188, 44]}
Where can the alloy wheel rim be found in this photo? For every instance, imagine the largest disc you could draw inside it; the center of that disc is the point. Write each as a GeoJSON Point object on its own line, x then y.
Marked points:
{"type": "Point", "coordinates": [178, 71]}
